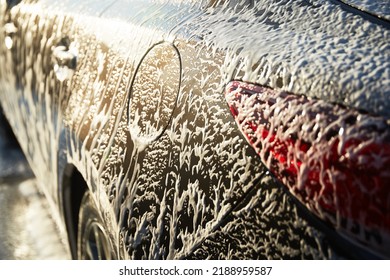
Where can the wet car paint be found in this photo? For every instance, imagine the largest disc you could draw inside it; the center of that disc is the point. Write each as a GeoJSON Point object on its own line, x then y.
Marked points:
{"type": "Point", "coordinates": [163, 191]}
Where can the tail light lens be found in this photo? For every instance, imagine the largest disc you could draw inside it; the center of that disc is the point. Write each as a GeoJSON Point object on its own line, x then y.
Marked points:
{"type": "Point", "coordinates": [335, 160]}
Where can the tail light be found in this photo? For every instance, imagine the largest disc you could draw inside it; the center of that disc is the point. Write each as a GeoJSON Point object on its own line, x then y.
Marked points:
{"type": "Point", "coordinates": [335, 160]}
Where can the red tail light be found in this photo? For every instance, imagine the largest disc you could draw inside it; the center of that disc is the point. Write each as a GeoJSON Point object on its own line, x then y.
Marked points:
{"type": "Point", "coordinates": [335, 160]}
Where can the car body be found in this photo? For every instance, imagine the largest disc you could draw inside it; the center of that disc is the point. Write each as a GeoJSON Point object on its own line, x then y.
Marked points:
{"type": "Point", "coordinates": [145, 125]}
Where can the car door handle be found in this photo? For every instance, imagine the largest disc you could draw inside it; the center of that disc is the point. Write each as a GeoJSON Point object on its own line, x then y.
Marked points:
{"type": "Point", "coordinates": [63, 57]}
{"type": "Point", "coordinates": [9, 30]}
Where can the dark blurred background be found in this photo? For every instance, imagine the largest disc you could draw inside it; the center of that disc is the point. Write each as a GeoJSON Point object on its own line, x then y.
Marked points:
{"type": "Point", "coordinates": [26, 229]}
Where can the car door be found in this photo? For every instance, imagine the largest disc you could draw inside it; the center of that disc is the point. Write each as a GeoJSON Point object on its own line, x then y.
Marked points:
{"type": "Point", "coordinates": [31, 93]}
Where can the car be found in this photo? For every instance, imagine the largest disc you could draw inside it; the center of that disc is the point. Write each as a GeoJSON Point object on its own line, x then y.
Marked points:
{"type": "Point", "coordinates": [213, 129]}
